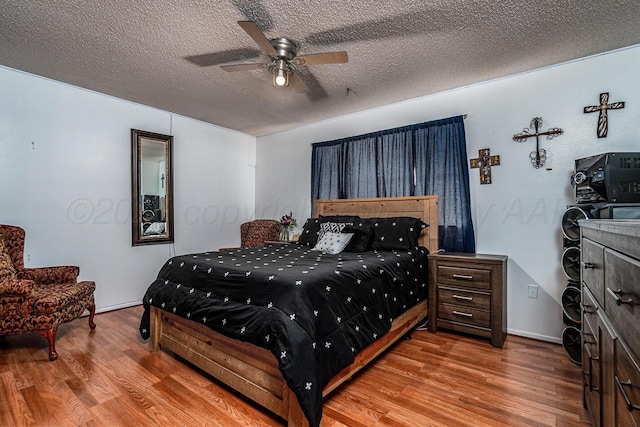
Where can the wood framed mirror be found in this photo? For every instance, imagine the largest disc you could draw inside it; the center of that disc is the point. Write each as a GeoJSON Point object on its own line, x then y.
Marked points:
{"type": "Point", "coordinates": [151, 188]}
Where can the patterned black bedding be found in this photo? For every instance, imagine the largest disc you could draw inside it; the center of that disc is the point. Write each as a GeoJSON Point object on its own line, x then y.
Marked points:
{"type": "Point", "coordinates": [314, 311]}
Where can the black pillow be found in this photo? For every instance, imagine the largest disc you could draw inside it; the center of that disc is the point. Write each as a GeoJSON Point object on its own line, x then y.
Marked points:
{"type": "Point", "coordinates": [310, 231]}
{"type": "Point", "coordinates": [400, 232]}
{"type": "Point", "coordinates": [362, 238]}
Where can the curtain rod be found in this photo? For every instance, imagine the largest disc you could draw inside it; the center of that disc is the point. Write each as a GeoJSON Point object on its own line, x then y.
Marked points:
{"type": "Point", "coordinates": [464, 116]}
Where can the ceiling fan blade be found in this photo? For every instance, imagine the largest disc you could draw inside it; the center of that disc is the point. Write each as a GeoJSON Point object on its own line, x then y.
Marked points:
{"type": "Point", "coordinates": [243, 67]}
{"type": "Point", "coordinates": [297, 83]}
{"type": "Point", "coordinates": [217, 58]}
{"type": "Point", "coordinates": [322, 58]}
{"type": "Point", "coordinates": [258, 36]}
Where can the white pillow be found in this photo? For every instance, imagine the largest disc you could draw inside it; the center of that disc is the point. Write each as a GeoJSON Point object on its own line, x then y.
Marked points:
{"type": "Point", "coordinates": [331, 227]}
{"type": "Point", "coordinates": [333, 243]}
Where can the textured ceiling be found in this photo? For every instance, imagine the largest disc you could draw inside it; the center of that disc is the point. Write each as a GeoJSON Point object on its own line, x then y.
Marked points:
{"type": "Point", "coordinates": [151, 51]}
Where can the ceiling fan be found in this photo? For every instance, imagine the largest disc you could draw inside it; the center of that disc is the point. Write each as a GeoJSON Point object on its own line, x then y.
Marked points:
{"type": "Point", "coordinates": [283, 60]}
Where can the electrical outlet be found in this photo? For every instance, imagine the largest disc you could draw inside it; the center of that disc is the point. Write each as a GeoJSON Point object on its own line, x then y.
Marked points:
{"type": "Point", "coordinates": [532, 291]}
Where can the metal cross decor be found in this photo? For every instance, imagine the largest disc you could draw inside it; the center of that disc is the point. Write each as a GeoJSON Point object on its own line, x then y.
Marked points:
{"type": "Point", "coordinates": [539, 157]}
{"type": "Point", "coordinates": [484, 162]}
{"type": "Point", "coordinates": [603, 121]}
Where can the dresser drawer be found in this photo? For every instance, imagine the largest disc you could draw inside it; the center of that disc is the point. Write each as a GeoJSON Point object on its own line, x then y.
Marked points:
{"type": "Point", "coordinates": [464, 297]}
{"type": "Point", "coordinates": [591, 379]}
{"type": "Point", "coordinates": [470, 316]}
{"type": "Point", "coordinates": [622, 296]}
{"type": "Point", "coordinates": [589, 335]}
{"type": "Point", "coordinates": [592, 268]}
{"type": "Point", "coordinates": [464, 276]}
{"type": "Point", "coordinates": [590, 349]}
{"type": "Point", "coordinates": [589, 314]}
{"type": "Point", "coordinates": [627, 387]}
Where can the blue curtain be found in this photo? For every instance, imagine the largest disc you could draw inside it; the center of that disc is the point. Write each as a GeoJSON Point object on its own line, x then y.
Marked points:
{"type": "Point", "coordinates": [360, 168]}
{"type": "Point", "coordinates": [327, 166]}
{"type": "Point", "coordinates": [441, 168]}
{"type": "Point", "coordinates": [421, 159]}
{"type": "Point", "coordinates": [395, 160]}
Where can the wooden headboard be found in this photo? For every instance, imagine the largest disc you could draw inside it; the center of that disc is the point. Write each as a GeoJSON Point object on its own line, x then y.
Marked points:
{"type": "Point", "coordinates": [423, 207]}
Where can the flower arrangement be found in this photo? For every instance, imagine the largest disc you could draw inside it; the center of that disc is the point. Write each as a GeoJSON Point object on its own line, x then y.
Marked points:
{"type": "Point", "coordinates": [286, 223]}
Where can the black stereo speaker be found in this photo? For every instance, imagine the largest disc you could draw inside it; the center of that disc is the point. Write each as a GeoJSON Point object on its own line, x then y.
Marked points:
{"type": "Point", "coordinates": [151, 208]}
{"type": "Point", "coordinates": [607, 186]}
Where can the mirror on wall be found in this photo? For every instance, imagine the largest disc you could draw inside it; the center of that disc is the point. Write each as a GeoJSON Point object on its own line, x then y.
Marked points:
{"type": "Point", "coordinates": [151, 188]}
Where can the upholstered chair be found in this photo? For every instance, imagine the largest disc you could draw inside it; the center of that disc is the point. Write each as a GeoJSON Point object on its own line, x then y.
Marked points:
{"type": "Point", "coordinates": [255, 233]}
{"type": "Point", "coordinates": [38, 299]}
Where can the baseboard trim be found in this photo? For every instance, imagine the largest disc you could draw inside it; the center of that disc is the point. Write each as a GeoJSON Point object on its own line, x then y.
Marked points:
{"type": "Point", "coordinates": [539, 337]}
{"type": "Point", "coordinates": [116, 306]}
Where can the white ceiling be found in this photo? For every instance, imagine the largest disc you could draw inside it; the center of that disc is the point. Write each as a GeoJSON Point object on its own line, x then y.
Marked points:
{"type": "Point", "coordinates": [138, 49]}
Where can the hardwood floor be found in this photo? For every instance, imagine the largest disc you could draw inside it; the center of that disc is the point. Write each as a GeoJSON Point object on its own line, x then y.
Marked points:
{"type": "Point", "coordinates": [107, 377]}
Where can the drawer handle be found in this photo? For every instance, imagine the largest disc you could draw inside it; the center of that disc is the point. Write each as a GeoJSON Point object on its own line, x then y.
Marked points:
{"type": "Point", "coordinates": [586, 375]}
{"type": "Point", "coordinates": [591, 387]}
{"type": "Point", "coordinates": [589, 265]}
{"type": "Point", "coordinates": [616, 296]}
{"type": "Point", "coordinates": [584, 338]}
{"type": "Point", "coordinates": [586, 308]}
{"type": "Point", "coordinates": [462, 276]}
{"type": "Point", "coordinates": [621, 385]}
{"type": "Point", "coordinates": [462, 297]}
{"type": "Point", "coordinates": [459, 313]}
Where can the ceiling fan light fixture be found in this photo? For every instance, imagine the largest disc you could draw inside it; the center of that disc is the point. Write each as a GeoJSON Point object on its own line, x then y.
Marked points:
{"type": "Point", "coordinates": [281, 73]}
{"type": "Point", "coordinates": [281, 78]}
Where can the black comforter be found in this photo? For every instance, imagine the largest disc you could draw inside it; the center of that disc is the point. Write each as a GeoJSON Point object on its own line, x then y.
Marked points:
{"type": "Point", "coordinates": [313, 311]}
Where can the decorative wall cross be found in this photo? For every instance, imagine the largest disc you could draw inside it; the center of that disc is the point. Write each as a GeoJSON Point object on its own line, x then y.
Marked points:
{"type": "Point", "coordinates": [484, 161]}
{"type": "Point", "coordinates": [603, 121]}
{"type": "Point", "coordinates": [539, 157]}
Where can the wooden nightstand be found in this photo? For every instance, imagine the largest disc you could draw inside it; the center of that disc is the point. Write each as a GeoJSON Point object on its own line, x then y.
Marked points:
{"type": "Point", "coordinates": [468, 293]}
{"type": "Point", "coordinates": [277, 242]}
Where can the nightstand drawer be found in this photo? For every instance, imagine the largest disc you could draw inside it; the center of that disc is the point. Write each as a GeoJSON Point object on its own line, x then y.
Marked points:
{"type": "Point", "coordinates": [466, 315]}
{"type": "Point", "coordinates": [464, 298]}
{"type": "Point", "coordinates": [463, 276]}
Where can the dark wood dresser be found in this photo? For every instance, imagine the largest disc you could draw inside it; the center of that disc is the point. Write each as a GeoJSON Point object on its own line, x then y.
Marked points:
{"type": "Point", "coordinates": [610, 274]}
{"type": "Point", "coordinates": [467, 293]}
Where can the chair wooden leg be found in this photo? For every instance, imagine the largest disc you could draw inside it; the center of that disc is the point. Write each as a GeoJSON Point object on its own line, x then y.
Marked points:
{"type": "Point", "coordinates": [50, 335]}
{"type": "Point", "coordinates": [92, 313]}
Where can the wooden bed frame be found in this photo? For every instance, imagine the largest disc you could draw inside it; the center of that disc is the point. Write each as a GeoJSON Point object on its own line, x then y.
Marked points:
{"type": "Point", "coordinates": [252, 370]}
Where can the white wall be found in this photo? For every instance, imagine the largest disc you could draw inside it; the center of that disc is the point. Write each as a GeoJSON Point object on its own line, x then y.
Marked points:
{"type": "Point", "coordinates": [65, 177]}
{"type": "Point", "coordinates": [520, 213]}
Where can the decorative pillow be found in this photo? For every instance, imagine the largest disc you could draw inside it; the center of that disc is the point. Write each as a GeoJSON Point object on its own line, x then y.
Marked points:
{"type": "Point", "coordinates": [156, 228]}
{"type": "Point", "coordinates": [333, 243]}
{"type": "Point", "coordinates": [400, 232]}
{"type": "Point", "coordinates": [362, 237]}
{"type": "Point", "coordinates": [7, 270]}
{"type": "Point", "coordinates": [310, 232]}
{"type": "Point", "coordinates": [331, 227]}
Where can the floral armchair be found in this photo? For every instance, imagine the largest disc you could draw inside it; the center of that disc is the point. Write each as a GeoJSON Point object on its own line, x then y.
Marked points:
{"type": "Point", "coordinates": [38, 299]}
